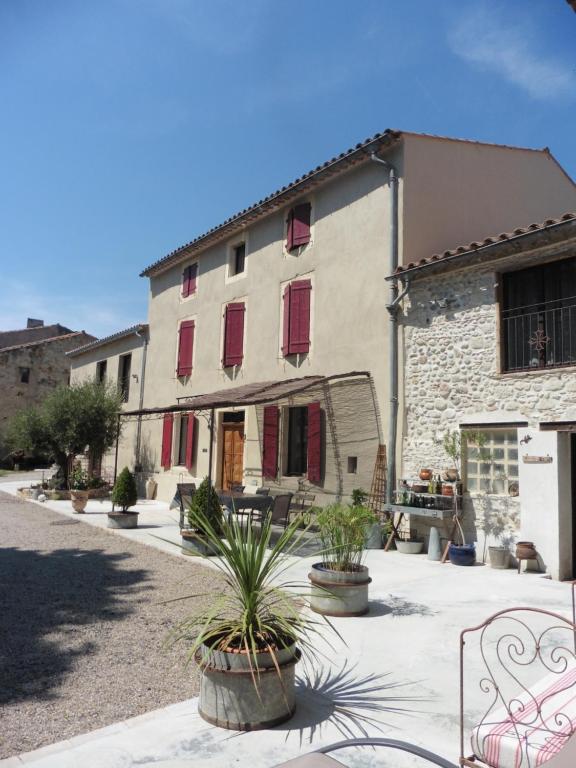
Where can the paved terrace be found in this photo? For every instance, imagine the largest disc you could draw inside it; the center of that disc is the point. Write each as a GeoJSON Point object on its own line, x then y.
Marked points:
{"type": "Point", "coordinates": [395, 674]}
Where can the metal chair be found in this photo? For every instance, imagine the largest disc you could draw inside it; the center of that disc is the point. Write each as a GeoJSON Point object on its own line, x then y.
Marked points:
{"type": "Point", "coordinates": [185, 492]}
{"type": "Point", "coordinates": [280, 511]}
{"type": "Point", "coordinates": [320, 759]}
{"type": "Point", "coordinates": [263, 491]}
{"type": "Point", "coordinates": [302, 503]}
{"type": "Point", "coordinates": [235, 488]}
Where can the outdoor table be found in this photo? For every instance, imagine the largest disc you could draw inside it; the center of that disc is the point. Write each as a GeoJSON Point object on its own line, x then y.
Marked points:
{"type": "Point", "coordinates": [245, 503]}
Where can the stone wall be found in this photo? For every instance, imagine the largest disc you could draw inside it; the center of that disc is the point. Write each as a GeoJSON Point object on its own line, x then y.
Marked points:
{"type": "Point", "coordinates": [49, 367]}
{"type": "Point", "coordinates": [452, 377]}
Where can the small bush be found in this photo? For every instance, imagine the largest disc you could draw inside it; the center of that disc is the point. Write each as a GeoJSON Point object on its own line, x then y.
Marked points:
{"type": "Point", "coordinates": [78, 479]}
{"type": "Point", "coordinates": [343, 535]}
{"type": "Point", "coordinates": [124, 493]}
{"type": "Point", "coordinates": [206, 502]}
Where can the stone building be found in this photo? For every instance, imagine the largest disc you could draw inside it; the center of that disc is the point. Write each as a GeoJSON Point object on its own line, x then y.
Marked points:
{"type": "Point", "coordinates": [32, 363]}
{"type": "Point", "coordinates": [489, 337]}
{"type": "Point", "coordinates": [270, 343]}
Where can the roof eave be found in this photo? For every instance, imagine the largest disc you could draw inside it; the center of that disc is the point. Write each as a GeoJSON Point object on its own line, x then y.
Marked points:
{"type": "Point", "coordinates": [132, 331]}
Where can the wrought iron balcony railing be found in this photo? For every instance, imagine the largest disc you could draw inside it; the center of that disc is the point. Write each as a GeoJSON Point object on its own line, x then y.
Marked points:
{"type": "Point", "coordinates": [540, 335]}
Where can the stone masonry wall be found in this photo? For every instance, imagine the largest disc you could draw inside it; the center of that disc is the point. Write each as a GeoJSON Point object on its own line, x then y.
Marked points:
{"type": "Point", "coordinates": [452, 376]}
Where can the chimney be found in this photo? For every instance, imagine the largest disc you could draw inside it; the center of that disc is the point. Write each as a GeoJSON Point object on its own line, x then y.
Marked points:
{"type": "Point", "coordinates": [32, 323]}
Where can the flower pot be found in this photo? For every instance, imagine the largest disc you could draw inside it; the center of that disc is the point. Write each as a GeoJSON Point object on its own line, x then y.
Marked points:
{"type": "Point", "coordinates": [425, 474]}
{"type": "Point", "coordinates": [196, 544]}
{"type": "Point", "coordinates": [409, 547]}
{"type": "Point", "coordinates": [450, 474]}
{"type": "Point", "coordinates": [525, 550]}
{"type": "Point", "coordinates": [122, 519]}
{"type": "Point", "coordinates": [418, 488]}
{"type": "Point", "coordinates": [373, 538]}
{"type": "Point", "coordinates": [499, 557]}
{"type": "Point", "coordinates": [151, 486]}
{"type": "Point", "coordinates": [339, 593]}
{"type": "Point", "coordinates": [462, 554]}
{"type": "Point", "coordinates": [79, 500]}
{"type": "Point", "coordinates": [234, 696]}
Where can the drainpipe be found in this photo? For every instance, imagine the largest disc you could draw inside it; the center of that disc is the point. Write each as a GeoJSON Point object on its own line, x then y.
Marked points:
{"type": "Point", "coordinates": [392, 307]}
{"type": "Point", "coordinates": [141, 400]}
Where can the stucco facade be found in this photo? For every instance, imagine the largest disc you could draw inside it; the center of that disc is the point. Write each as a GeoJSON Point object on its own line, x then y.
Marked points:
{"type": "Point", "coordinates": [455, 379]}
{"type": "Point", "coordinates": [447, 190]}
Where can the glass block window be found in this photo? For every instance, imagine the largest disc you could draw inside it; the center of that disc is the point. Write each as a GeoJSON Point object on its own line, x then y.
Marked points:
{"type": "Point", "coordinates": [491, 464]}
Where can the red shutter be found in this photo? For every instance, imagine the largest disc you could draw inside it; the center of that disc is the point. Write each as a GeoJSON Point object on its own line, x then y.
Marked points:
{"type": "Point", "coordinates": [290, 230]}
{"type": "Point", "coordinates": [286, 322]}
{"type": "Point", "coordinates": [299, 330]}
{"type": "Point", "coordinates": [301, 225]}
{"type": "Point", "coordinates": [189, 280]}
{"type": "Point", "coordinates": [167, 440]}
{"type": "Point", "coordinates": [185, 348]}
{"type": "Point", "coordinates": [190, 440]}
{"type": "Point", "coordinates": [233, 334]}
{"type": "Point", "coordinates": [314, 442]}
{"type": "Point", "coordinates": [270, 442]}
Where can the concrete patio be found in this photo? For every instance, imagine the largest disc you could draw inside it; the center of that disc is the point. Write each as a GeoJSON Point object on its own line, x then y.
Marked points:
{"type": "Point", "coordinates": [395, 674]}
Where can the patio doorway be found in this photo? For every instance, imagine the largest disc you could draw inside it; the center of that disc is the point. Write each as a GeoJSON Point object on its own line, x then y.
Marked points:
{"type": "Point", "coordinates": [232, 449]}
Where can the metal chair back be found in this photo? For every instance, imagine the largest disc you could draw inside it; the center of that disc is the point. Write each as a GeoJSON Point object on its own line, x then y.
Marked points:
{"type": "Point", "coordinates": [263, 491]}
{"type": "Point", "coordinates": [280, 512]}
{"type": "Point", "coordinates": [185, 493]}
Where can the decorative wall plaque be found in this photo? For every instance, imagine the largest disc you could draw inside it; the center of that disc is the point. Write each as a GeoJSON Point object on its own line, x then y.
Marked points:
{"type": "Point", "coordinates": [536, 459]}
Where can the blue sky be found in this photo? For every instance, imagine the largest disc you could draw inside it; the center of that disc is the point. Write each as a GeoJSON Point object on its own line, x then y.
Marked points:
{"type": "Point", "coordinates": [130, 126]}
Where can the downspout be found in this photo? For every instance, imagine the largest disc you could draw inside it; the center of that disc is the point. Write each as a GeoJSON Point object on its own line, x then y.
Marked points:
{"type": "Point", "coordinates": [392, 307]}
{"type": "Point", "coordinates": [141, 402]}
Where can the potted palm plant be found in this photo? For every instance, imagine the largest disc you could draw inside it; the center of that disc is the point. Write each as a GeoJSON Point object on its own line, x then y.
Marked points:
{"type": "Point", "coordinates": [78, 489]}
{"type": "Point", "coordinates": [340, 582]}
{"type": "Point", "coordinates": [250, 638]}
{"type": "Point", "coordinates": [125, 495]}
{"type": "Point", "coordinates": [205, 500]}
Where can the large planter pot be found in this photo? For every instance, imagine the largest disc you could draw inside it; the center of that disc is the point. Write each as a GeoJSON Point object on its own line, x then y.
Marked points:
{"type": "Point", "coordinates": [373, 538]}
{"type": "Point", "coordinates": [462, 554]}
{"type": "Point", "coordinates": [79, 500]}
{"type": "Point", "coordinates": [195, 543]}
{"type": "Point", "coordinates": [409, 547]}
{"type": "Point", "coordinates": [339, 593]}
{"type": "Point", "coordinates": [234, 696]}
{"type": "Point", "coordinates": [122, 519]}
{"type": "Point", "coordinates": [499, 557]}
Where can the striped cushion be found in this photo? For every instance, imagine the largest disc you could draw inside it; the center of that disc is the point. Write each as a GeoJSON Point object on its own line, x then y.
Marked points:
{"type": "Point", "coordinates": [528, 738]}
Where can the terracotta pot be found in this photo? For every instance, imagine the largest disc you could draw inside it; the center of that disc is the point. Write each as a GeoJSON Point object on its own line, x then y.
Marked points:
{"type": "Point", "coordinates": [79, 500]}
{"type": "Point", "coordinates": [425, 474]}
{"type": "Point", "coordinates": [450, 474]}
{"type": "Point", "coordinates": [447, 490]}
{"type": "Point", "coordinates": [419, 488]}
{"type": "Point", "coordinates": [525, 550]}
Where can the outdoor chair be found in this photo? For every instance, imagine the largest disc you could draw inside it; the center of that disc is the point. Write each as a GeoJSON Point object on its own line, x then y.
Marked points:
{"type": "Point", "coordinates": [235, 488]}
{"type": "Point", "coordinates": [184, 492]}
{"type": "Point", "coordinates": [263, 491]}
{"type": "Point", "coordinates": [301, 503]}
{"type": "Point", "coordinates": [525, 671]}
{"type": "Point", "coordinates": [280, 511]}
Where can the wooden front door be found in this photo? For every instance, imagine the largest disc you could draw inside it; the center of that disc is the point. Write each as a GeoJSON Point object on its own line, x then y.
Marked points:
{"type": "Point", "coordinates": [233, 454]}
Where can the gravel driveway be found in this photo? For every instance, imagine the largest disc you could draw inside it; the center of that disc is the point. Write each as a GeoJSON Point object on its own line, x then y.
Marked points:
{"type": "Point", "coordinates": [82, 627]}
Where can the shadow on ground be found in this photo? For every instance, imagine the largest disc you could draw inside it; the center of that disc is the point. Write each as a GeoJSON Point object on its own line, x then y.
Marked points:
{"type": "Point", "coordinates": [355, 705]}
{"type": "Point", "coordinates": [397, 606]}
{"type": "Point", "coordinates": [44, 597]}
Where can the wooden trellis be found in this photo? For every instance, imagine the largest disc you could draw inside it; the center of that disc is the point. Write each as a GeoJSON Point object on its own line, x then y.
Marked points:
{"type": "Point", "coordinates": [377, 497]}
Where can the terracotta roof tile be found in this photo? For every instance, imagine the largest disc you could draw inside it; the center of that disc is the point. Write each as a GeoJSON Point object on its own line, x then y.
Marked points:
{"type": "Point", "coordinates": [475, 245]}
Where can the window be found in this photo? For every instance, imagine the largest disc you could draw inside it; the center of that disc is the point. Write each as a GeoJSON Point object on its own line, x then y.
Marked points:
{"type": "Point", "coordinates": [538, 316]}
{"type": "Point", "coordinates": [297, 454]}
{"type": "Point", "coordinates": [233, 351]}
{"type": "Point", "coordinates": [490, 460]}
{"type": "Point", "coordinates": [124, 365]}
{"type": "Point", "coordinates": [189, 278]}
{"type": "Point", "coordinates": [101, 371]}
{"type": "Point", "coordinates": [296, 320]}
{"type": "Point", "coordinates": [185, 348]}
{"type": "Point", "coordinates": [298, 226]}
{"type": "Point", "coordinates": [352, 465]}
{"type": "Point", "coordinates": [238, 259]}
{"type": "Point", "coordinates": [182, 441]}
{"type": "Point", "coordinates": [24, 375]}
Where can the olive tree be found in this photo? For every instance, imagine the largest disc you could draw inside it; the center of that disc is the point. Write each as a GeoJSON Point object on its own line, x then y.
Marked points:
{"type": "Point", "coordinates": [68, 422]}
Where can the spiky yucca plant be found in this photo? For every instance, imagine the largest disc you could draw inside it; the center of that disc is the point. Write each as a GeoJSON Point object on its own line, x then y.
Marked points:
{"type": "Point", "coordinates": [256, 612]}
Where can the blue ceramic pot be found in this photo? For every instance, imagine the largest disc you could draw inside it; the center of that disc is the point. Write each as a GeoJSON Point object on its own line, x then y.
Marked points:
{"type": "Point", "coordinates": [464, 554]}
